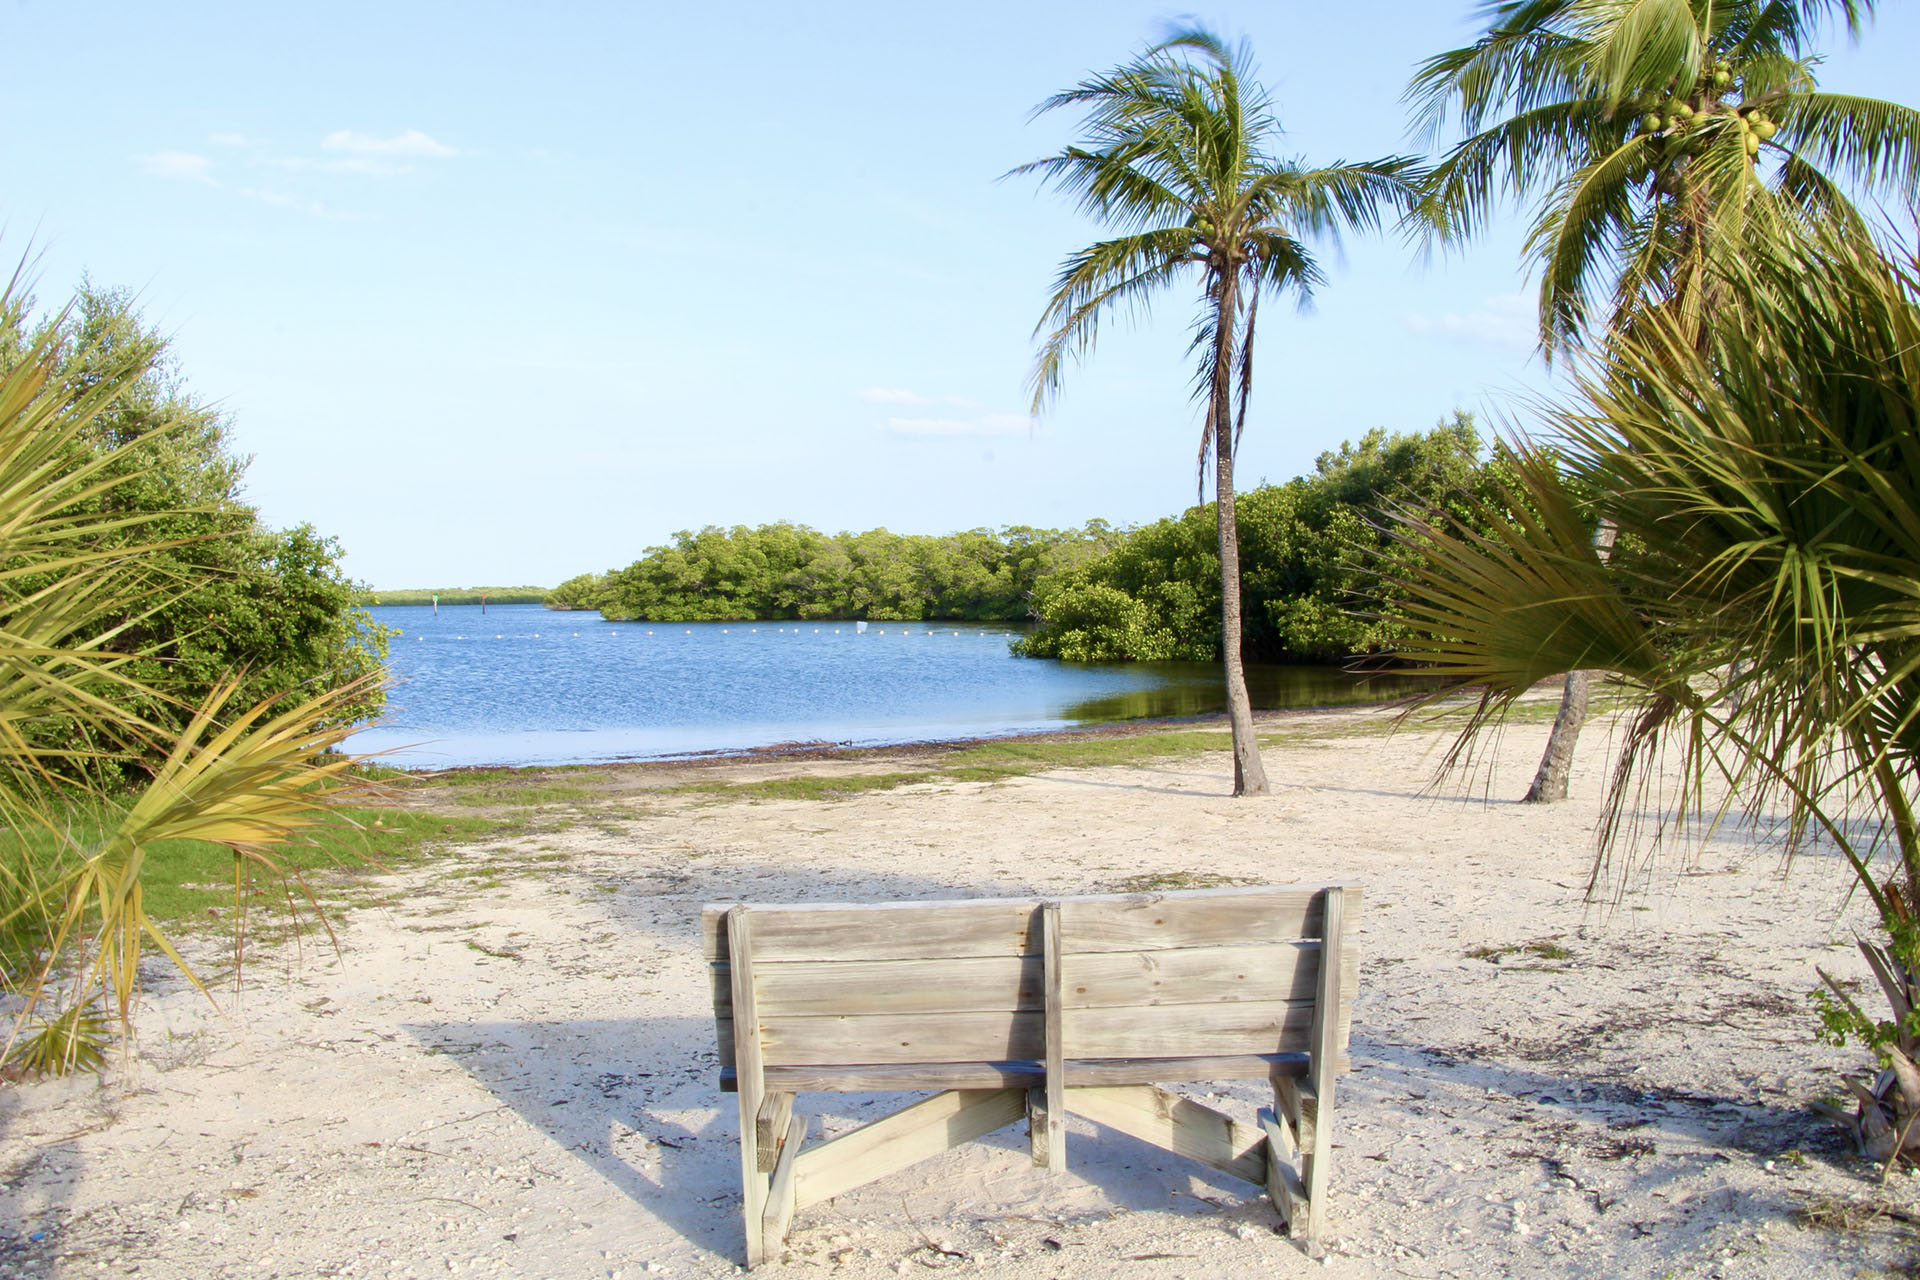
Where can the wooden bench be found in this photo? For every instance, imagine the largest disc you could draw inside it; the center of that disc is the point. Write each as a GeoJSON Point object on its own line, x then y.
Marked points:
{"type": "Point", "coordinates": [1030, 1008]}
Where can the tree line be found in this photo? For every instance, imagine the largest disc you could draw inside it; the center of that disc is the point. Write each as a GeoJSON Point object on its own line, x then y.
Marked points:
{"type": "Point", "coordinates": [460, 595]}
{"type": "Point", "coordinates": [1311, 551]}
{"type": "Point", "coordinates": [785, 570]}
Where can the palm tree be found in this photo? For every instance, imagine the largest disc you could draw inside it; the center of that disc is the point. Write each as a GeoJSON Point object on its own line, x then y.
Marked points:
{"type": "Point", "coordinates": [1654, 142]}
{"type": "Point", "coordinates": [74, 575]}
{"type": "Point", "coordinates": [1763, 600]}
{"type": "Point", "coordinates": [1177, 158]}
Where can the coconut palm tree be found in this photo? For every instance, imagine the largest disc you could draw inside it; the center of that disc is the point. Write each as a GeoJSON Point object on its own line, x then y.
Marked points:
{"type": "Point", "coordinates": [1177, 157]}
{"type": "Point", "coordinates": [1763, 600]}
{"type": "Point", "coordinates": [74, 574]}
{"type": "Point", "coordinates": [1652, 141]}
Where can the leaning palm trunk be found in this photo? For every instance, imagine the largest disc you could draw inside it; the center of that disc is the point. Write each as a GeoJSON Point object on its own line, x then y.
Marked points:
{"type": "Point", "coordinates": [1556, 763]}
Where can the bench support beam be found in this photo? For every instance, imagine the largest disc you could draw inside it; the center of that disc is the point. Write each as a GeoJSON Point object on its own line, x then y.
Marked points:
{"type": "Point", "coordinates": [1179, 1125]}
{"type": "Point", "coordinates": [904, 1138]}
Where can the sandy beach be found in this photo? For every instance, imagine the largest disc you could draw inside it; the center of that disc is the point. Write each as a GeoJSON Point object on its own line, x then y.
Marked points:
{"type": "Point", "coordinates": [508, 1069]}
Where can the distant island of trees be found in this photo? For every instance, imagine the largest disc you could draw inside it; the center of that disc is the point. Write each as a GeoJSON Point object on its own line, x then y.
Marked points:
{"type": "Point", "coordinates": [461, 595]}
{"type": "Point", "coordinates": [1311, 554]}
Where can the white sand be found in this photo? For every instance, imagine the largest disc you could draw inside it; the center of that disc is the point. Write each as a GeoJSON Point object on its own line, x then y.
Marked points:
{"type": "Point", "coordinates": [516, 1077]}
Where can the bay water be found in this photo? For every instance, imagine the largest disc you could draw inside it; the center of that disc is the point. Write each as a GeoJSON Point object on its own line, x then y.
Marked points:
{"type": "Point", "coordinates": [524, 685]}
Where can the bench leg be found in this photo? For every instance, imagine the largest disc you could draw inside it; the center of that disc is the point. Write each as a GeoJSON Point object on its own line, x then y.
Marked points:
{"type": "Point", "coordinates": [777, 1216]}
{"type": "Point", "coordinates": [753, 1183]}
{"type": "Point", "coordinates": [1037, 1126]}
{"type": "Point", "coordinates": [1307, 1113]}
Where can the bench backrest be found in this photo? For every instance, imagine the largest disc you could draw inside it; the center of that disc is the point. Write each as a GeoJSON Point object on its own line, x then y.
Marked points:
{"type": "Point", "coordinates": [1211, 972]}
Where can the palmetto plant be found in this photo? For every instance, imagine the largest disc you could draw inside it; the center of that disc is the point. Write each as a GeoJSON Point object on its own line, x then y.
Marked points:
{"type": "Point", "coordinates": [72, 576]}
{"type": "Point", "coordinates": [1653, 138]}
{"type": "Point", "coordinates": [1177, 159]}
{"type": "Point", "coordinates": [1763, 600]}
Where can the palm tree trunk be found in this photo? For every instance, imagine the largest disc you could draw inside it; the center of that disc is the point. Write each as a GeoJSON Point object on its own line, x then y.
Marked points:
{"type": "Point", "coordinates": [1249, 777]}
{"type": "Point", "coordinates": [1556, 763]}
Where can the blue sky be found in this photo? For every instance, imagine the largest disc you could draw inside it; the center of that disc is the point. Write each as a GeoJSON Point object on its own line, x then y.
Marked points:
{"type": "Point", "coordinates": [504, 293]}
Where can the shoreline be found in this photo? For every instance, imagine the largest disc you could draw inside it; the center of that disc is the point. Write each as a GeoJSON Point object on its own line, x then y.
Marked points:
{"type": "Point", "coordinates": [822, 749]}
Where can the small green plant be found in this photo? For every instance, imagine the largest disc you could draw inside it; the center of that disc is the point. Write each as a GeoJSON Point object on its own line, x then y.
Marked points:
{"type": "Point", "coordinates": [1156, 881]}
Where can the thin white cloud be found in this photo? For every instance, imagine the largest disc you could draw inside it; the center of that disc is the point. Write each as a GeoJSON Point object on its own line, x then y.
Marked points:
{"type": "Point", "coordinates": [989, 424]}
{"type": "Point", "coordinates": [1505, 320]}
{"type": "Point", "coordinates": [183, 166]}
{"type": "Point", "coordinates": [228, 139]}
{"type": "Point", "coordinates": [410, 144]}
{"type": "Point", "coordinates": [892, 395]}
{"type": "Point", "coordinates": [281, 200]}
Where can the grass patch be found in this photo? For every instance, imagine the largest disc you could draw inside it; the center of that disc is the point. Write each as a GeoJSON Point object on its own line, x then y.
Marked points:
{"type": "Point", "coordinates": [505, 796]}
{"type": "Point", "coordinates": [809, 787]}
{"type": "Point", "coordinates": [1547, 949]}
{"type": "Point", "coordinates": [983, 762]}
{"type": "Point", "coordinates": [186, 883]}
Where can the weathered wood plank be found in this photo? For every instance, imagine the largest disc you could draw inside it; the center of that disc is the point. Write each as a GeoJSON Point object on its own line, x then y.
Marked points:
{"type": "Point", "coordinates": [777, 1217]}
{"type": "Point", "coordinates": [1283, 1180]}
{"type": "Point", "coordinates": [1056, 1085]}
{"type": "Point", "coordinates": [972, 984]}
{"type": "Point", "coordinates": [1196, 975]}
{"type": "Point", "coordinates": [776, 1112]}
{"type": "Point", "coordinates": [1149, 921]}
{"type": "Point", "coordinates": [1103, 979]}
{"type": "Point", "coordinates": [867, 930]}
{"type": "Point", "coordinates": [886, 930]}
{"type": "Point", "coordinates": [1189, 1030]}
{"type": "Point", "coordinates": [1125, 978]}
{"type": "Point", "coordinates": [1166, 1031]}
{"type": "Point", "coordinates": [1350, 979]}
{"type": "Point", "coordinates": [883, 1077]}
{"type": "Point", "coordinates": [904, 1037]}
{"type": "Point", "coordinates": [1327, 1040]}
{"type": "Point", "coordinates": [750, 1078]}
{"type": "Point", "coordinates": [1179, 1125]}
{"type": "Point", "coordinates": [906, 1137]}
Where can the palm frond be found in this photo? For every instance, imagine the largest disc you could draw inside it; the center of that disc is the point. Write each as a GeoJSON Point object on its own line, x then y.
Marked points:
{"type": "Point", "coordinates": [1873, 141]}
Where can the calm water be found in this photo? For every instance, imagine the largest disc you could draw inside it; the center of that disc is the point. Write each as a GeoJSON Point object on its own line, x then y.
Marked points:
{"type": "Point", "coordinates": [524, 685]}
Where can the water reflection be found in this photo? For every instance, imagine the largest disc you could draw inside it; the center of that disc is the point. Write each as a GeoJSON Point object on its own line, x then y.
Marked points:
{"type": "Point", "coordinates": [1198, 689]}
